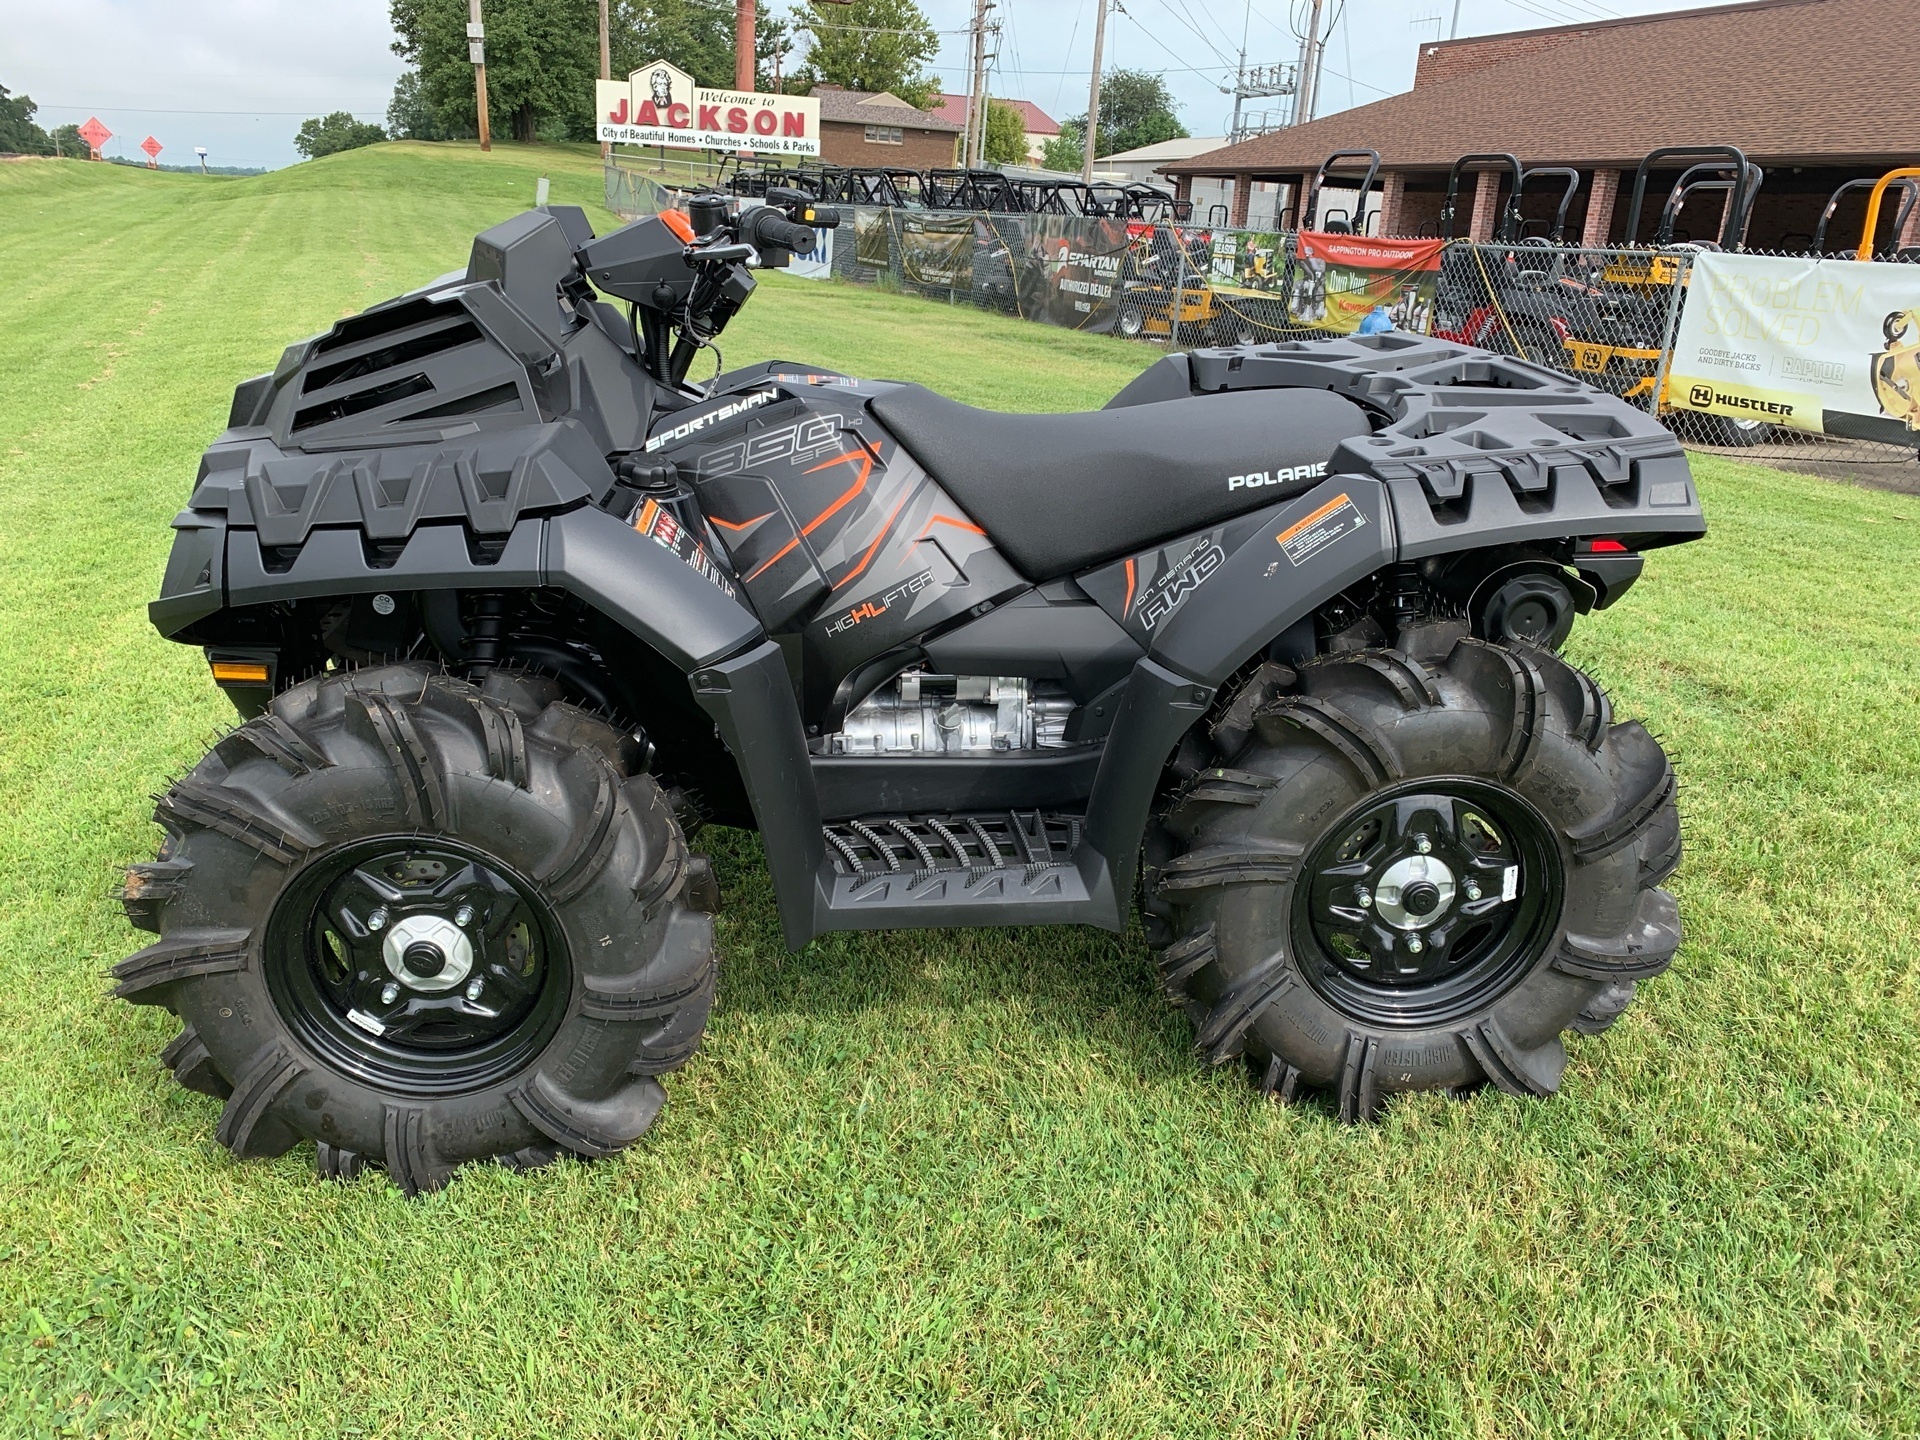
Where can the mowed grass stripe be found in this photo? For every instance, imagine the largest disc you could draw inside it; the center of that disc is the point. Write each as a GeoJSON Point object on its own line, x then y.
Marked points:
{"type": "Point", "coordinates": [956, 1182]}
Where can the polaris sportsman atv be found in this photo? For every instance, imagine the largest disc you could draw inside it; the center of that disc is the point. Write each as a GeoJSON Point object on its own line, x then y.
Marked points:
{"type": "Point", "coordinates": [509, 606]}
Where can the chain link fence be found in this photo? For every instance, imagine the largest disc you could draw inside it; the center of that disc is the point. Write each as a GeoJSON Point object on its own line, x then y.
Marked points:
{"type": "Point", "coordinates": [1608, 317]}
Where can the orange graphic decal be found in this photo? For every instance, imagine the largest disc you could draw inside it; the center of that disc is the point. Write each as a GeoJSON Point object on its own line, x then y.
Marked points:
{"type": "Point", "coordinates": [859, 484]}
{"type": "Point", "coordinates": [867, 558]}
{"type": "Point", "coordinates": [731, 525]}
{"type": "Point", "coordinates": [1127, 608]}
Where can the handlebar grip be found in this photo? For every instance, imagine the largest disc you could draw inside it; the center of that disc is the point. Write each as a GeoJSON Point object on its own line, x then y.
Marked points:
{"type": "Point", "coordinates": [764, 228]}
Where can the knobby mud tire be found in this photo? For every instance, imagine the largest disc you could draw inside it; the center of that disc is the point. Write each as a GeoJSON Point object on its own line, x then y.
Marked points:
{"type": "Point", "coordinates": [1296, 750]}
{"type": "Point", "coordinates": [505, 769]}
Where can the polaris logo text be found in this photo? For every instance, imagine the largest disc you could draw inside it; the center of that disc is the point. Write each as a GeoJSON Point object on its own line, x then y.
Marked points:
{"type": "Point", "coordinates": [712, 417]}
{"type": "Point", "coordinates": [1254, 479]}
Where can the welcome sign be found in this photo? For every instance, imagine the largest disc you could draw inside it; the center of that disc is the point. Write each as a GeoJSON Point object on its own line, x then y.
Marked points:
{"type": "Point", "coordinates": [659, 104]}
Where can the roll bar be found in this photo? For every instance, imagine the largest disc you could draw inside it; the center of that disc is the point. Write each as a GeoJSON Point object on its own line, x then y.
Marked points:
{"type": "Point", "coordinates": [1746, 187]}
{"type": "Point", "coordinates": [1564, 173]}
{"type": "Point", "coordinates": [1509, 222]}
{"type": "Point", "coordinates": [1865, 251]}
{"type": "Point", "coordinates": [1909, 190]}
{"type": "Point", "coordinates": [1737, 162]}
{"type": "Point", "coordinates": [1372, 157]}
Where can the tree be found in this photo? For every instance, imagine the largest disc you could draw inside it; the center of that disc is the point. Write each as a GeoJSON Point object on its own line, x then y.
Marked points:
{"type": "Point", "coordinates": [696, 35]}
{"type": "Point", "coordinates": [69, 143]}
{"type": "Point", "coordinates": [1063, 152]}
{"type": "Point", "coordinates": [542, 59]}
{"type": "Point", "coordinates": [773, 39]}
{"type": "Point", "coordinates": [1006, 134]}
{"type": "Point", "coordinates": [1135, 109]}
{"type": "Point", "coordinates": [412, 115]}
{"type": "Point", "coordinates": [872, 45]}
{"type": "Point", "coordinates": [18, 134]}
{"type": "Point", "coordinates": [331, 134]}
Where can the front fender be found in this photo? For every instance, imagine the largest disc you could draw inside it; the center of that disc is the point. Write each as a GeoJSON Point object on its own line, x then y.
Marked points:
{"type": "Point", "coordinates": [628, 577]}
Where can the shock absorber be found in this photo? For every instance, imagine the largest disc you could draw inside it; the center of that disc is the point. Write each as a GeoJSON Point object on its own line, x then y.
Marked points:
{"type": "Point", "coordinates": [486, 629]}
{"type": "Point", "coordinates": [1406, 594]}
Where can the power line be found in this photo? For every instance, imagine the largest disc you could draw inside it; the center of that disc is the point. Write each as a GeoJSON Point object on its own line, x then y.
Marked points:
{"type": "Point", "coordinates": [163, 110]}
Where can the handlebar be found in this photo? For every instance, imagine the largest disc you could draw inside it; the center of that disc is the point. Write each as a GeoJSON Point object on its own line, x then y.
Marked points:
{"type": "Point", "coordinates": [766, 228]}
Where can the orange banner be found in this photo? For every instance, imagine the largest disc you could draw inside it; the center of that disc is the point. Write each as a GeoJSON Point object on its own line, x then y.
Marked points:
{"type": "Point", "coordinates": [1341, 279]}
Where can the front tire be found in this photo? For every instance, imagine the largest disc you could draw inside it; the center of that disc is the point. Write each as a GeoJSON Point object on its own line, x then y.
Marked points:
{"type": "Point", "coordinates": [421, 923]}
{"type": "Point", "coordinates": [1403, 876]}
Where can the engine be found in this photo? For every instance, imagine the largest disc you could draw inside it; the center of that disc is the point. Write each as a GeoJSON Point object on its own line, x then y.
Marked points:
{"type": "Point", "coordinates": [924, 714]}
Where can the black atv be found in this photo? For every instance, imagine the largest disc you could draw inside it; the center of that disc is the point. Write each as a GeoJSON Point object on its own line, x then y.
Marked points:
{"type": "Point", "coordinates": [509, 607]}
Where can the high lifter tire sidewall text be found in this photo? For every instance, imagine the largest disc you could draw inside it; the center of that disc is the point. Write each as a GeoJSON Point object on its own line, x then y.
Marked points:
{"type": "Point", "coordinates": [405, 759]}
{"type": "Point", "coordinates": [1297, 755]}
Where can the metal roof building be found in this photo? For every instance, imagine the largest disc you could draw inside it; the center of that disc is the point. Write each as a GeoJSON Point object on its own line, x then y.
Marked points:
{"type": "Point", "coordinates": [1814, 91]}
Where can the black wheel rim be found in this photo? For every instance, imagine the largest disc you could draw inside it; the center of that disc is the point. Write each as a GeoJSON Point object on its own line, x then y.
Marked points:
{"type": "Point", "coordinates": [417, 965]}
{"type": "Point", "coordinates": [1427, 901]}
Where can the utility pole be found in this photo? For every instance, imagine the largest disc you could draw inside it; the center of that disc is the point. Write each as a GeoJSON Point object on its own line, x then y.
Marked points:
{"type": "Point", "coordinates": [1310, 52]}
{"type": "Point", "coordinates": [477, 53]}
{"type": "Point", "coordinates": [606, 71]}
{"type": "Point", "coordinates": [1093, 88]}
{"type": "Point", "coordinates": [743, 46]}
{"type": "Point", "coordinates": [976, 88]}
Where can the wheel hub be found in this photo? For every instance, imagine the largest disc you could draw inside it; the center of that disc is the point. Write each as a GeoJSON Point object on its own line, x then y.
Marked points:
{"type": "Point", "coordinates": [428, 952]}
{"type": "Point", "coordinates": [1424, 897]}
{"type": "Point", "coordinates": [423, 963]}
{"type": "Point", "coordinates": [1413, 892]}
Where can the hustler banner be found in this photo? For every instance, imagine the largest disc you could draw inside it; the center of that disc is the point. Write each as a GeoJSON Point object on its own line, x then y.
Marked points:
{"type": "Point", "coordinates": [1830, 345]}
{"type": "Point", "coordinates": [1339, 280]}
{"type": "Point", "coordinates": [659, 104]}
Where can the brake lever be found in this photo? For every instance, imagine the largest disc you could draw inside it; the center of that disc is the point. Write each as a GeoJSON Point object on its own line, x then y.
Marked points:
{"type": "Point", "coordinates": [719, 254]}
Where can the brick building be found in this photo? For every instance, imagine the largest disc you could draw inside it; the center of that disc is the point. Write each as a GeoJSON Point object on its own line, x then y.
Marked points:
{"type": "Point", "coordinates": [861, 129]}
{"type": "Point", "coordinates": [1814, 91]}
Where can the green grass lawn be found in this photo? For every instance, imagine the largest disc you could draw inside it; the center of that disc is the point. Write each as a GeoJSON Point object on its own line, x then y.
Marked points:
{"type": "Point", "coordinates": [954, 1182]}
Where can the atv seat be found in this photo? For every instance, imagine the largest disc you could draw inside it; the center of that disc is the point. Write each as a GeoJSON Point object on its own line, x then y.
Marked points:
{"type": "Point", "coordinates": [1057, 493]}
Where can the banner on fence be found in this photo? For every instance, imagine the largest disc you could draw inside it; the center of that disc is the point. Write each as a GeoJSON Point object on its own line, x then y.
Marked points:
{"type": "Point", "coordinates": [936, 251]}
{"type": "Point", "coordinates": [1338, 280]}
{"type": "Point", "coordinates": [1072, 271]}
{"type": "Point", "coordinates": [1830, 345]}
{"type": "Point", "coordinates": [1251, 261]}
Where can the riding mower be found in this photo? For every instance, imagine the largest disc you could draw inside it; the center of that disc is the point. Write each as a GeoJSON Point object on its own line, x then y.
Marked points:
{"type": "Point", "coordinates": [1608, 316]}
{"type": "Point", "coordinates": [1262, 657]}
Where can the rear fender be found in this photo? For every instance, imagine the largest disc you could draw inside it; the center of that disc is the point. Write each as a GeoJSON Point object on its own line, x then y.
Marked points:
{"type": "Point", "coordinates": [1306, 552]}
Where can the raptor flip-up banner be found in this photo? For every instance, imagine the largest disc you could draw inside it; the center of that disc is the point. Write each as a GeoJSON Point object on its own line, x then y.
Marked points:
{"type": "Point", "coordinates": [1828, 345]}
{"type": "Point", "coordinates": [659, 104]}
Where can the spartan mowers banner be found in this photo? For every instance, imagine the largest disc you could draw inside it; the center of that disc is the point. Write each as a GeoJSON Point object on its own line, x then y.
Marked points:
{"type": "Point", "coordinates": [659, 104]}
{"type": "Point", "coordinates": [1070, 275]}
{"type": "Point", "coordinates": [1338, 280]}
{"type": "Point", "coordinates": [1830, 345]}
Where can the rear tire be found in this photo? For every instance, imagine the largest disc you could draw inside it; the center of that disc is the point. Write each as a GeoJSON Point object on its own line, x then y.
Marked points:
{"type": "Point", "coordinates": [421, 923]}
{"type": "Point", "coordinates": [1424, 783]}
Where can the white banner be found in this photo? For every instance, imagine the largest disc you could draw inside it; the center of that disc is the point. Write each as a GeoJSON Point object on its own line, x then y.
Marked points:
{"type": "Point", "coordinates": [1831, 345]}
{"type": "Point", "coordinates": [659, 104]}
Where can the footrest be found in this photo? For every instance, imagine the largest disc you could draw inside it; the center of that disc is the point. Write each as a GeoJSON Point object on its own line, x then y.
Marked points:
{"type": "Point", "coordinates": [1016, 859]}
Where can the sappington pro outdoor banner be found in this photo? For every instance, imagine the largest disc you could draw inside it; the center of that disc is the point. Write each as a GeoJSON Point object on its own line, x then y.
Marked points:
{"type": "Point", "coordinates": [1825, 345]}
{"type": "Point", "coordinates": [1339, 280]}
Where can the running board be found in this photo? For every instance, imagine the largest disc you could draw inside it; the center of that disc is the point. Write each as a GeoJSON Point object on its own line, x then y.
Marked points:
{"type": "Point", "coordinates": [928, 871]}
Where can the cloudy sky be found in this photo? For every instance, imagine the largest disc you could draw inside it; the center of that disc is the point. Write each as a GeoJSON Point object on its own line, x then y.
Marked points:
{"type": "Point", "coordinates": [237, 76]}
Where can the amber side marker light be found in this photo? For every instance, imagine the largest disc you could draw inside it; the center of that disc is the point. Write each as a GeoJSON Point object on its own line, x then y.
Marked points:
{"type": "Point", "coordinates": [239, 672]}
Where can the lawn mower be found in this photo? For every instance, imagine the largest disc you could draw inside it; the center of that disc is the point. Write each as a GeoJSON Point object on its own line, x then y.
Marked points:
{"type": "Point", "coordinates": [1262, 656]}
